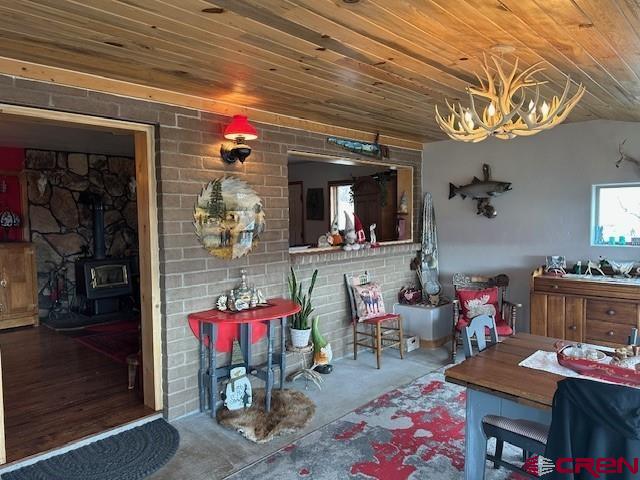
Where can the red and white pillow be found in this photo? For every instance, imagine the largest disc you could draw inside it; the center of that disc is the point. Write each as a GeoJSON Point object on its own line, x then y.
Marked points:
{"type": "Point", "coordinates": [481, 302]}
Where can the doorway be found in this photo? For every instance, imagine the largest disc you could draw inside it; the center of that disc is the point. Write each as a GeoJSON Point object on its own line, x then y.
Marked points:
{"type": "Point", "coordinates": [67, 381]}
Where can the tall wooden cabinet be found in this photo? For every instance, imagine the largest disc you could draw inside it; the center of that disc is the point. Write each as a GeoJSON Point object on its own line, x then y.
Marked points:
{"type": "Point", "coordinates": [18, 285]}
{"type": "Point", "coordinates": [583, 309]}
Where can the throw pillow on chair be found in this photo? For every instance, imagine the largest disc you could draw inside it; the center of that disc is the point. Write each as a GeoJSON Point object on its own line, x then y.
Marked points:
{"type": "Point", "coordinates": [369, 302]}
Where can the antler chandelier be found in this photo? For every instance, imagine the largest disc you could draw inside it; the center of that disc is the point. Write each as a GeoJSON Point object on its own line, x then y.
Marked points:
{"type": "Point", "coordinates": [504, 114]}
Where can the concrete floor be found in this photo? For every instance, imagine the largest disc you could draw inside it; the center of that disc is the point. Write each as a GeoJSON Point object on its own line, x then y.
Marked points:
{"type": "Point", "coordinates": [210, 452]}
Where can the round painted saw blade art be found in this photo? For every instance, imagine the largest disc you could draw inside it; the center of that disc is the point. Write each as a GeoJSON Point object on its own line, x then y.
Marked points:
{"type": "Point", "coordinates": [228, 217]}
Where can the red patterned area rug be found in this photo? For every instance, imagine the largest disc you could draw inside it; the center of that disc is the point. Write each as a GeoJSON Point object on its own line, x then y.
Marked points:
{"type": "Point", "coordinates": [413, 432]}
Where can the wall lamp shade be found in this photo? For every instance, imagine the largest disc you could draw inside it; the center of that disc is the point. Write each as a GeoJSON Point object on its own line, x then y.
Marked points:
{"type": "Point", "coordinates": [238, 130]}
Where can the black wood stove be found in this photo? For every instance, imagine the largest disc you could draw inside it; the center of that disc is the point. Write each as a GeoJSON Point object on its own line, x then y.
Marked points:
{"type": "Point", "coordinates": [101, 281]}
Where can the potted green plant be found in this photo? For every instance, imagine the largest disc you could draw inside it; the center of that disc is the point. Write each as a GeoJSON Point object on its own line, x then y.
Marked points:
{"type": "Point", "coordinates": [300, 328]}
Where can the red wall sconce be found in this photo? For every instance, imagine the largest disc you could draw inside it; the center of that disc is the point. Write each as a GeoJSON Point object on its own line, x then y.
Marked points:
{"type": "Point", "coordinates": [239, 130]}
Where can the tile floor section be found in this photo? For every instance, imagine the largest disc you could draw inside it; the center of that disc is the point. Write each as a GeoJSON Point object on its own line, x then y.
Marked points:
{"type": "Point", "coordinates": [210, 452]}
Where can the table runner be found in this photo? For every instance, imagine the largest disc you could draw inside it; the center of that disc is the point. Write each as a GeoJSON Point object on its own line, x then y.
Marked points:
{"type": "Point", "coordinates": [548, 362]}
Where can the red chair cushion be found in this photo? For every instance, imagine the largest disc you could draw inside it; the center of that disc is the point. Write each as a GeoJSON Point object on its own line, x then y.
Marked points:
{"type": "Point", "coordinates": [503, 328]}
{"type": "Point", "coordinates": [382, 318]}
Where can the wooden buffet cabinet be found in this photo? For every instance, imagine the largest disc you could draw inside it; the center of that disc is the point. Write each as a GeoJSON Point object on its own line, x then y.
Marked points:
{"type": "Point", "coordinates": [582, 309]}
{"type": "Point", "coordinates": [18, 286]}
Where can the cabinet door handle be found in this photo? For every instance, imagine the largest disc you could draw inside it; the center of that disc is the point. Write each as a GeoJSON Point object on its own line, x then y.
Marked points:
{"type": "Point", "coordinates": [573, 327]}
{"type": "Point", "coordinates": [611, 333]}
{"type": "Point", "coordinates": [611, 312]}
{"type": "Point", "coordinates": [4, 283]}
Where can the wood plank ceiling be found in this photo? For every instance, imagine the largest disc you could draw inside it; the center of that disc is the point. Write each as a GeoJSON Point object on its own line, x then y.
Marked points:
{"type": "Point", "coordinates": [372, 65]}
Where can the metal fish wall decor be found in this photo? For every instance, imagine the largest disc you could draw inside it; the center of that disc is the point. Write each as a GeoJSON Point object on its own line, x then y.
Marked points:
{"type": "Point", "coordinates": [482, 191]}
{"type": "Point", "coordinates": [363, 148]}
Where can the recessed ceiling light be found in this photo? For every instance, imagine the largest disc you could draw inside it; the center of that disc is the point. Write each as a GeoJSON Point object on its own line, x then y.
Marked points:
{"type": "Point", "coordinates": [213, 10]}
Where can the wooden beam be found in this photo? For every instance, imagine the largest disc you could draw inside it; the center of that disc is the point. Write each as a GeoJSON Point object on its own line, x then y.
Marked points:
{"type": "Point", "coordinates": [71, 78]}
{"type": "Point", "coordinates": [149, 249]}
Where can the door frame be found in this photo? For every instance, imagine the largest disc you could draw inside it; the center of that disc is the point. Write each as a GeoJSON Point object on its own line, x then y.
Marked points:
{"type": "Point", "coordinates": [148, 242]}
{"type": "Point", "coordinates": [303, 207]}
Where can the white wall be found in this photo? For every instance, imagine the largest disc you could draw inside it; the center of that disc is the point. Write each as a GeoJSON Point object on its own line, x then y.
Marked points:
{"type": "Point", "coordinates": [547, 212]}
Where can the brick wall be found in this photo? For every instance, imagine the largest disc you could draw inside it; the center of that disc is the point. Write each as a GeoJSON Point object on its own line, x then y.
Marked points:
{"type": "Point", "coordinates": [188, 146]}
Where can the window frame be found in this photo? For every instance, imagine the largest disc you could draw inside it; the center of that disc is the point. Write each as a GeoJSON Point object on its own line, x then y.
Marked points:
{"type": "Point", "coordinates": [595, 208]}
{"type": "Point", "coordinates": [335, 183]}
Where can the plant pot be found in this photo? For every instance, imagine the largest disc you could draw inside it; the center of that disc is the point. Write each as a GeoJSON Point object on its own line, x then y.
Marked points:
{"type": "Point", "coordinates": [300, 338]}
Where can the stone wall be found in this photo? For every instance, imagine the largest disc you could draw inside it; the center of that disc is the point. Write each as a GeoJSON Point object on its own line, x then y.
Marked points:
{"type": "Point", "coordinates": [61, 226]}
{"type": "Point", "coordinates": [188, 145]}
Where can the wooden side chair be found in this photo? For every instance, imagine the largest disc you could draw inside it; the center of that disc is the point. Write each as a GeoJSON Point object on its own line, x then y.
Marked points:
{"type": "Point", "coordinates": [482, 292]}
{"type": "Point", "coordinates": [526, 434]}
{"type": "Point", "coordinates": [382, 331]}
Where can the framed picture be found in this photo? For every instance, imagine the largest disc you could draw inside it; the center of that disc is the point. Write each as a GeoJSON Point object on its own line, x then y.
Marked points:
{"type": "Point", "coordinates": [556, 263]}
{"type": "Point", "coordinates": [315, 204]}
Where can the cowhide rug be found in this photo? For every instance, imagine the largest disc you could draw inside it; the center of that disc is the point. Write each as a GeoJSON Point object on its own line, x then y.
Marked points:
{"type": "Point", "coordinates": [291, 411]}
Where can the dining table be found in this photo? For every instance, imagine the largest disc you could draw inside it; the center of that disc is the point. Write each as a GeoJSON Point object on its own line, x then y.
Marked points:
{"type": "Point", "coordinates": [497, 385]}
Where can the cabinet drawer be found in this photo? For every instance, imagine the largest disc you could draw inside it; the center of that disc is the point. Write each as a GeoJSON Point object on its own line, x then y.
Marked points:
{"type": "Point", "coordinates": [598, 331]}
{"type": "Point", "coordinates": [553, 285]}
{"type": "Point", "coordinates": [614, 312]}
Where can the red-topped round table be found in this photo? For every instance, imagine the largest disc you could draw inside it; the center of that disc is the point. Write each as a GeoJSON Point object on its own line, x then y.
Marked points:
{"type": "Point", "coordinates": [216, 330]}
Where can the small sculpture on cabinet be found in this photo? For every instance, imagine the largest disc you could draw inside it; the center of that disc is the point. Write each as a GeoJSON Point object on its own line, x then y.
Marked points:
{"type": "Point", "coordinates": [372, 235]}
{"type": "Point", "coordinates": [593, 266]}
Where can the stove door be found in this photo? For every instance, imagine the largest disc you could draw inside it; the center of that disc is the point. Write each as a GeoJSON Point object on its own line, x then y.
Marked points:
{"type": "Point", "coordinates": [109, 276]}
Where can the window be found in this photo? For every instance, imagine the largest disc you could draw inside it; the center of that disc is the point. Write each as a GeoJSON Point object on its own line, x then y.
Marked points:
{"type": "Point", "coordinates": [616, 214]}
{"type": "Point", "coordinates": [341, 199]}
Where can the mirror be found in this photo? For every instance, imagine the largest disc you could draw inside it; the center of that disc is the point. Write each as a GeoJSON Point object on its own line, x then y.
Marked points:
{"type": "Point", "coordinates": [323, 188]}
{"type": "Point", "coordinates": [228, 217]}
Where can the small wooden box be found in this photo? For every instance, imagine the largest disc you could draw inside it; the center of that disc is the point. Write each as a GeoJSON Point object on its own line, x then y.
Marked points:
{"type": "Point", "coordinates": [411, 343]}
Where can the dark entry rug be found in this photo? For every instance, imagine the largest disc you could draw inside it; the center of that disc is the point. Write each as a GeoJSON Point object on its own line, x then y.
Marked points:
{"type": "Point", "coordinates": [131, 455]}
{"type": "Point", "coordinates": [71, 321]}
{"type": "Point", "coordinates": [115, 340]}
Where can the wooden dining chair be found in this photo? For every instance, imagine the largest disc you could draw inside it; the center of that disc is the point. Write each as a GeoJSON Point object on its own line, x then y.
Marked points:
{"type": "Point", "coordinates": [528, 435]}
{"type": "Point", "coordinates": [477, 328]}
{"type": "Point", "coordinates": [496, 286]}
{"type": "Point", "coordinates": [384, 331]}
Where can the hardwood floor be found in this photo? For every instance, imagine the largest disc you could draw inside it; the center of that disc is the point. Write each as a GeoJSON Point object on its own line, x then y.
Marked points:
{"type": "Point", "coordinates": [57, 391]}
